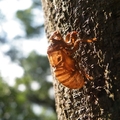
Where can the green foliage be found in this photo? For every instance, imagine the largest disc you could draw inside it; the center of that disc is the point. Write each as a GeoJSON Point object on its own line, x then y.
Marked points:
{"type": "Point", "coordinates": [3, 34]}
{"type": "Point", "coordinates": [37, 3]}
{"type": "Point", "coordinates": [28, 21]}
{"type": "Point", "coordinates": [26, 16]}
{"type": "Point", "coordinates": [36, 66]}
{"type": "Point", "coordinates": [14, 53]}
{"type": "Point", "coordinates": [13, 104]}
{"type": "Point", "coordinates": [16, 103]}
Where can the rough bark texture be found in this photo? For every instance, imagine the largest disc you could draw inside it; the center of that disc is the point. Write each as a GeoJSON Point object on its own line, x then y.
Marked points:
{"type": "Point", "coordinates": [98, 99]}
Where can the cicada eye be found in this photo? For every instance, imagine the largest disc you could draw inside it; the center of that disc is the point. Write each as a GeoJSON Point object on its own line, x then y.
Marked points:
{"type": "Point", "coordinates": [59, 58]}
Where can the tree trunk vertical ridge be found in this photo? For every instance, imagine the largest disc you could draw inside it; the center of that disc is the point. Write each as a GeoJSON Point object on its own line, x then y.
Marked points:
{"type": "Point", "coordinates": [98, 99]}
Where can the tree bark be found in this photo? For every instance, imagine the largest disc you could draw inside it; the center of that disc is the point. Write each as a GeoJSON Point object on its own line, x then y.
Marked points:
{"type": "Point", "coordinates": [99, 99]}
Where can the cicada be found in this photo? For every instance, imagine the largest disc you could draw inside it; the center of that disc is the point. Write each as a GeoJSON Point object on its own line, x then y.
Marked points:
{"type": "Point", "coordinates": [60, 54]}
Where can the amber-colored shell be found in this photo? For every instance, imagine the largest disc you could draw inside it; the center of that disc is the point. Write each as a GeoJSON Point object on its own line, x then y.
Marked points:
{"type": "Point", "coordinates": [65, 70]}
{"type": "Point", "coordinates": [60, 54]}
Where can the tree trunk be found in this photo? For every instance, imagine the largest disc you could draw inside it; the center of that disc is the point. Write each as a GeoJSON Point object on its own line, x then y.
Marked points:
{"type": "Point", "coordinates": [99, 99]}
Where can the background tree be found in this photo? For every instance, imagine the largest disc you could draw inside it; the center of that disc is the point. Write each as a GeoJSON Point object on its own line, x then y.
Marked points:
{"type": "Point", "coordinates": [100, 98]}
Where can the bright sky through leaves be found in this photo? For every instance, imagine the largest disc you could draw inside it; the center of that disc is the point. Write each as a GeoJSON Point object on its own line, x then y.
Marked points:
{"type": "Point", "coordinates": [8, 69]}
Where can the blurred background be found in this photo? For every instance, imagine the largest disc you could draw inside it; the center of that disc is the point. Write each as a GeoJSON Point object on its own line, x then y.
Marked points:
{"type": "Point", "coordinates": [26, 91]}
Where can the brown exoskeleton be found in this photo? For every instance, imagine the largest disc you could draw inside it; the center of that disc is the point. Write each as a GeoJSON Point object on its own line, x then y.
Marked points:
{"type": "Point", "coordinates": [60, 54]}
